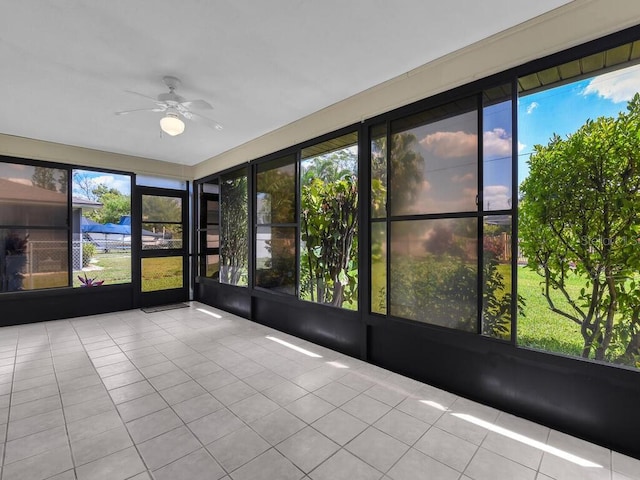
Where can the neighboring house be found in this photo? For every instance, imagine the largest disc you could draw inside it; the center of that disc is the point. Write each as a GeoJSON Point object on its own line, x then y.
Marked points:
{"type": "Point", "coordinates": [26, 205]}
{"type": "Point", "coordinates": [80, 205]}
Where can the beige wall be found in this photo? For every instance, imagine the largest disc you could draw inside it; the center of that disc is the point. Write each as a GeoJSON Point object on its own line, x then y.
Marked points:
{"type": "Point", "coordinates": [571, 25]}
{"type": "Point", "coordinates": [56, 152]}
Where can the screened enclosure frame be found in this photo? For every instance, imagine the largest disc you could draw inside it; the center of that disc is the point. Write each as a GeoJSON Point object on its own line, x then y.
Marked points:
{"type": "Point", "coordinates": [508, 81]}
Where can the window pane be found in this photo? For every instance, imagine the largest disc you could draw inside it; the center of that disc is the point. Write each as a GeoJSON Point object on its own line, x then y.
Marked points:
{"type": "Point", "coordinates": [379, 267]}
{"type": "Point", "coordinates": [161, 209]}
{"type": "Point", "coordinates": [434, 166]}
{"type": "Point", "coordinates": [210, 188]}
{"type": "Point", "coordinates": [211, 237]}
{"type": "Point", "coordinates": [329, 223]}
{"type": "Point", "coordinates": [161, 236]}
{"type": "Point", "coordinates": [276, 192]}
{"type": "Point", "coordinates": [161, 273]}
{"type": "Point", "coordinates": [276, 259]}
{"type": "Point", "coordinates": [209, 232]}
{"type": "Point", "coordinates": [234, 229]}
{"type": "Point", "coordinates": [496, 277]}
{"type": "Point", "coordinates": [497, 144]}
{"type": "Point", "coordinates": [101, 223]}
{"type": "Point", "coordinates": [161, 182]}
{"type": "Point", "coordinates": [33, 259]}
{"type": "Point", "coordinates": [213, 212]}
{"type": "Point", "coordinates": [211, 266]}
{"type": "Point", "coordinates": [33, 196]}
{"type": "Point", "coordinates": [434, 268]}
{"type": "Point", "coordinates": [379, 171]}
{"type": "Point", "coordinates": [579, 218]}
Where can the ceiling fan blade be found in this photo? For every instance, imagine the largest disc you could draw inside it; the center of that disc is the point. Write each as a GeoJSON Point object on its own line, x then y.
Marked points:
{"type": "Point", "coordinates": [208, 121]}
{"type": "Point", "coordinates": [155, 100]}
{"type": "Point", "coordinates": [125, 112]}
{"type": "Point", "coordinates": [198, 104]}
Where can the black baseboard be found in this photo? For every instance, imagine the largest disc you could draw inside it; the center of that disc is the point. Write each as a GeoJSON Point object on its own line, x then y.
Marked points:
{"type": "Point", "coordinates": [55, 304]}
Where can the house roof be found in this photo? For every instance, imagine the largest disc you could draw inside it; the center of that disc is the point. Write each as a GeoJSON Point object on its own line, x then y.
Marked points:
{"type": "Point", "coordinates": [85, 203]}
{"type": "Point", "coordinates": [16, 192]}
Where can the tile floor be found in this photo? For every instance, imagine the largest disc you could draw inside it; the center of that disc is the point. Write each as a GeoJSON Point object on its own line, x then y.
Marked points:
{"type": "Point", "coordinates": [197, 393]}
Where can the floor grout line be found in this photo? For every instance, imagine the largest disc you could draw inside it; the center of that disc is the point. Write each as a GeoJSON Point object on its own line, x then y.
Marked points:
{"type": "Point", "coordinates": [178, 334]}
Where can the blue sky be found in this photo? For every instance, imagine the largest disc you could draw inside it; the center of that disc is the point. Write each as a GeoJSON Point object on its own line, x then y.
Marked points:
{"type": "Point", "coordinates": [564, 109]}
{"type": "Point", "coordinates": [497, 140]}
{"type": "Point", "coordinates": [449, 146]}
{"type": "Point", "coordinates": [122, 183]}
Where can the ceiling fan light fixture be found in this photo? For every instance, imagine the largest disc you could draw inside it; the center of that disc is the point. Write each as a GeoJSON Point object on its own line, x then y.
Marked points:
{"type": "Point", "coordinates": [171, 124]}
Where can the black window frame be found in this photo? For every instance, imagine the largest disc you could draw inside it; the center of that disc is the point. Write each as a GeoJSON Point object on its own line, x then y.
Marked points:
{"type": "Point", "coordinates": [256, 223]}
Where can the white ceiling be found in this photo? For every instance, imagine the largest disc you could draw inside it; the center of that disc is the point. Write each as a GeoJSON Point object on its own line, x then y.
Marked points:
{"type": "Point", "coordinates": [66, 65]}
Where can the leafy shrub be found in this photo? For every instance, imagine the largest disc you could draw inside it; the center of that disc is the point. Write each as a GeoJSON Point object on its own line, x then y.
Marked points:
{"type": "Point", "coordinates": [88, 251]}
{"type": "Point", "coordinates": [437, 290]}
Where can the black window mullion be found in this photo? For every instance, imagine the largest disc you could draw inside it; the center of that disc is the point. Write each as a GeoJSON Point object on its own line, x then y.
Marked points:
{"type": "Point", "coordinates": [298, 201]}
{"type": "Point", "coordinates": [514, 211]}
{"type": "Point", "coordinates": [70, 227]}
{"type": "Point", "coordinates": [480, 203]}
{"type": "Point", "coordinates": [387, 210]}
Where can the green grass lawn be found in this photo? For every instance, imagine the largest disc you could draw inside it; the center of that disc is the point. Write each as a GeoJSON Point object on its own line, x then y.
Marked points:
{"type": "Point", "coordinates": [540, 327]}
{"type": "Point", "coordinates": [115, 268]}
{"type": "Point", "coordinates": [161, 273]}
{"type": "Point", "coordinates": [378, 286]}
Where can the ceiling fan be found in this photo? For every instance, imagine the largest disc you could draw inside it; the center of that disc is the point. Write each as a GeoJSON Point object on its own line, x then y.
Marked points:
{"type": "Point", "coordinates": [175, 109]}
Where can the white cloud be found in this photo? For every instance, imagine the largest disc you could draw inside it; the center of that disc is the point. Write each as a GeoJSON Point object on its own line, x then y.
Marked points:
{"type": "Point", "coordinates": [521, 147]}
{"type": "Point", "coordinates": [444, 201]}
{"type": "Point", "coordinates": [463, 178]}
{"type": "Point", "coordinates": [532, 106]}
{"type": "Point", "coordinates": [496, 197]}
{"type": "Point", "coordinates": [496, 143]}
{"type": "Point", "coordinates": [451, 144]}
{"type": "Point", "coordinates": [617, 86]}
{"type": "Point", "coordinates": [120, 183]}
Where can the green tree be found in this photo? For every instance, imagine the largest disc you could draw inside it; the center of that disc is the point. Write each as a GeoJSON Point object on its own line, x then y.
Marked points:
{"type": "Point", "coordinates": [234, 232]}
{"type": "Point", "coordinates": [84, 184]}
{"type": "Point", "coordinates": [43, 177]}
{"type": "Point", "coordinates": [580, 219]}
{"type": "Point", "coordinates": [497, 299]}
{"type": "Point", "coordinates": [406, 171]}
{"type": "Point", "coordinates": [379, 177]}
{"type": "Point", "coordinates": [114, 205]}
{"type": "Point", "coordinates": [63, 181]}
{"type": "Point", "coordinates": [329, 224]}
{"type": "Point", "coordinates": [162, 209]}
{"type": "Point", "coordinates": [277, 190]}
{"type": "Point", "coordinates": [330, 166]}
